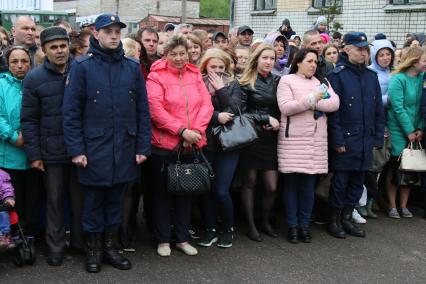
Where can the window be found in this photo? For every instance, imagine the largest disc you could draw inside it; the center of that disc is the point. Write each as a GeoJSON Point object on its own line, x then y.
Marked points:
{"type": "Point", "coordinates": [327, 3]}
{"type": "Point", "coordinates": [399, 2]}
{"type": "Point", "coordinates": [265, 5]}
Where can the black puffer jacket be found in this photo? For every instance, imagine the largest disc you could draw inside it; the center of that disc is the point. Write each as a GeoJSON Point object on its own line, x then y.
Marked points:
{"type": "Point", "coordinates": [261, 102]}
{"type": "Point", "coordinates": [227, 99]}
{"type": "Point", "coordinates": [41, 115]}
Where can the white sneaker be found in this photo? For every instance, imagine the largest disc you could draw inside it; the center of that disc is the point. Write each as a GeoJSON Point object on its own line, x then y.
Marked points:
{"type": "Point", "coordinates": [358, 218]}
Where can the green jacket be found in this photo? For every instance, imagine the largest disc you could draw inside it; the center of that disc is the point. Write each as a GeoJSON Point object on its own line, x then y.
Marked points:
{"type": "Point", "coordinates": [11, 157]}
{"type": "Point", "coordinates": [404, 115]}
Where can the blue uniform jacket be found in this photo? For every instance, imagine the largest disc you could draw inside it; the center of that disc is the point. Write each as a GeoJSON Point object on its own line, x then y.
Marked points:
{"type": "Point", "coordinates": [359, 123]}
{"type": "Point", "coordinates": [106, 116]}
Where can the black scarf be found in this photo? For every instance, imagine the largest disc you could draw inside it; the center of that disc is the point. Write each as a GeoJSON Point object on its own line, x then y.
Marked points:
{"type": "Point", "coordinates": [106, 54]}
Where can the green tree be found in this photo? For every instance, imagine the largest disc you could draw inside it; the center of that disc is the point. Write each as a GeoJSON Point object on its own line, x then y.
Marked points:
{"type": "Point", "coordinates": [214, 9]}
{"type": "Point", "coordinates": [330, 13]}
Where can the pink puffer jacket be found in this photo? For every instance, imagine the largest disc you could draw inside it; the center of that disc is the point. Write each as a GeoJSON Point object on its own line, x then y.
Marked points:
{"type": "Point", "coordinates": [305, 148]}
{"type": "Point", "coordinates": [6, 188]}
{"type": "Point", "coordinates": [178, 98]}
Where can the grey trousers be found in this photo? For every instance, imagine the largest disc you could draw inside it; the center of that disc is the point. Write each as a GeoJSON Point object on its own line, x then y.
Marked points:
{"type": "Point", "coordinates": [58, 181]}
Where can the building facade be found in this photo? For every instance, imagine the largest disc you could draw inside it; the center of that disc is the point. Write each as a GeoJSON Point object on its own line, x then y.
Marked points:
{"type": "Point", "coordinates": [26, 4]}
{"type": "Point", "coordinates": [130, 11]}
{"type": "Point", "coordinates": [395, 18]}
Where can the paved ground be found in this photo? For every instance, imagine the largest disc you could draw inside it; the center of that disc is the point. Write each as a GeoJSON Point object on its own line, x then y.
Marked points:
{"type": "Point", "coordinates": [393, 252]}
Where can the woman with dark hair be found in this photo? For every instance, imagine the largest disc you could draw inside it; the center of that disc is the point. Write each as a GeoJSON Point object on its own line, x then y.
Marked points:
{"type": "Point", "coordinates": [13, 158]}
{"type": "Point", "coordinates": [331, 53]}
{"type": "Point", "coordinates": [79, 43]}
{"type": "Point", "coordinates": [302, 140]}
{"type": "Point", "coordinates": [4, 38]}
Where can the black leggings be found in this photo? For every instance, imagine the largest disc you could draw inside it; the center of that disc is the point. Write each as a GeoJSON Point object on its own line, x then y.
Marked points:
{"type": "Point", "coordinates": [370, 182]}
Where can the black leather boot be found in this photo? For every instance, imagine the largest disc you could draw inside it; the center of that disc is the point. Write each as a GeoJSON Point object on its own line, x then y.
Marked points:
{"type": "Point", "coordinates": [292, 235]}
{"type": "Point", "coordinates": [334, 226]}
{"type": "Point", "coordinates": [111, 254]}
{"type": "Point", "coordinates": [94, 252]}
{"type": "Point", "coordinates": [305, 234]}
{"type": "Point", "coordinates": [347, 224]}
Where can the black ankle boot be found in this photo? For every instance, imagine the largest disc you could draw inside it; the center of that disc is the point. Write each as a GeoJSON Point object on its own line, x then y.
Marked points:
{"type": "Point", "coordinates": [111, 254]}
{"type": "Point", "coordinates": [347, 224]}
{"type": "Point", "coordinates": [334, 226]}
{"type": "Point", "coordinates": [94, 252]}
{"type": "Point", "coordinates": [292, 235]}
{"type": "Point", "coordinates": [305, 234]}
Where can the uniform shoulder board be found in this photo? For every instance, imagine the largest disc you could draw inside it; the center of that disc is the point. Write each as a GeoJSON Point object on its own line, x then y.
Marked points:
{"type": "Point", "coordinates": [132, 59]}
{"type": "Point", "coordinates": [84, 58]}
{"type": "Point", "coordinates": [337, 69]}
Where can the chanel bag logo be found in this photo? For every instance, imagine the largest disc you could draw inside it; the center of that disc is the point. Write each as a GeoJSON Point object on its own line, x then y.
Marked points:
{"type": "Point", "coordinates": [188, 171]}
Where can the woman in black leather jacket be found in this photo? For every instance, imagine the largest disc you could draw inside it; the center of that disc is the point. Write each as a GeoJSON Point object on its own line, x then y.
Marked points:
{"type": "Point", "coordinates": [259, 98]}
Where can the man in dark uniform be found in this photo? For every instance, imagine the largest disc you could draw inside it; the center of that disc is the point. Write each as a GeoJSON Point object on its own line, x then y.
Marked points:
{"type": "Point", "coordinates": [107, 132]}
{"type": "Point", "coordinates": [354, 130]}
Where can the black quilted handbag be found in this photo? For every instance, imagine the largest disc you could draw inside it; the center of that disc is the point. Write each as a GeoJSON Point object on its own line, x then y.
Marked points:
{"type": "Point", "coordinates": [189, 178]}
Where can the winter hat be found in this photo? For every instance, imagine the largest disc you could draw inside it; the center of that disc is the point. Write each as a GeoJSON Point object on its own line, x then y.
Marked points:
{"type": "Point", "coordinates": [325, 37]}
{"type": "Point", "coordinates": [286, 22]}
{"type": "Point", "coordinates": [53, 33]}
{"type": "Point", "coordinates": [380, 36]}
{"type": "Point", "coordinates": [321, 20]}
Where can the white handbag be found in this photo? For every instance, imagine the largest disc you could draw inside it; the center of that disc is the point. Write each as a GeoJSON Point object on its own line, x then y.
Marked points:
{"type": "Point", "coordinates": [413, 160]}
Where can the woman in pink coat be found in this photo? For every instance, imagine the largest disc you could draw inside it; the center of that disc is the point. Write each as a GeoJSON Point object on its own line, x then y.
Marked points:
{"type": "Point", "coordinates": [181, 108]}
{"type": "Point", "coordinates": [302, 140]}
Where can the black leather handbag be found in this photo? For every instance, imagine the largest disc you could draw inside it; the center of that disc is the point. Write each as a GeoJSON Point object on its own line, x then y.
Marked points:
{"type": "Point", "coordinates": [236, 134]}
{"type": "Point", "coordinates": [189, 178]}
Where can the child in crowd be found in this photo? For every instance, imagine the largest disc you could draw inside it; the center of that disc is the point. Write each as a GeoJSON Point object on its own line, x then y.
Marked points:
{"type": "Point", "coordinates": [6, 197]}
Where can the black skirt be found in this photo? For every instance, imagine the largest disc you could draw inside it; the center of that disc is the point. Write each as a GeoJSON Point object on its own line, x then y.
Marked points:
{"type": "Point", "coordinates": [261, 155]}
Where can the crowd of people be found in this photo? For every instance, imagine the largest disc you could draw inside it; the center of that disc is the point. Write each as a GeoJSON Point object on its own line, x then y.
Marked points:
{"type": "Point", "coordinates": [90, 119]}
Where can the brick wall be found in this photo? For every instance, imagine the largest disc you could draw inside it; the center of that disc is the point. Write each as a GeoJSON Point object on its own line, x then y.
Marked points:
{"type": "Point", "coordinates": [358, 15]}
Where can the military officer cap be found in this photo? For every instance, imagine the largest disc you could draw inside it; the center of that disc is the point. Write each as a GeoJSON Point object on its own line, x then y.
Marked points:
{"type": "Point", "coordinates": [358, 39]}
{"type": "Point", "coordinates": [105, 20]}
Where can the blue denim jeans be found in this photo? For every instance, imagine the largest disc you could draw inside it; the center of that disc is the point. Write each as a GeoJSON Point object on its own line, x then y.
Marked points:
{"type": "Point", "coordinates": [4, 223]}
{"type": "Point", "coordinates": [298, 197]}
{"type": "Point", "coordinates": [218, 202]}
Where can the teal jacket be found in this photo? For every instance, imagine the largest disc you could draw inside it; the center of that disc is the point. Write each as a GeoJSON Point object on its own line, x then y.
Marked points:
{"type": "Point", "coordinates": [404, 115]}
{"type": "Point", "coordinates": [11, 157]}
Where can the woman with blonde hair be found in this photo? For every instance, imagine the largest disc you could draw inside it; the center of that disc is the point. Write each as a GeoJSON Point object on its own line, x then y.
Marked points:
{"type": "Point", "coordinates": [225, 95]}
{"type": "Point", "coordinates": [195, 50]}
{"type": "Point", "coordinates": [132, 48]}
{"type": "Point", "coordinates": [404, 121]}
{"type": "Point", "coordinates": [259, 98]}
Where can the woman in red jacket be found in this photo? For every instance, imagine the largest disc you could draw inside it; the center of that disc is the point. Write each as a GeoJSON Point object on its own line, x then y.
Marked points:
{"type": "Point", "coordinates": [181, 108]}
